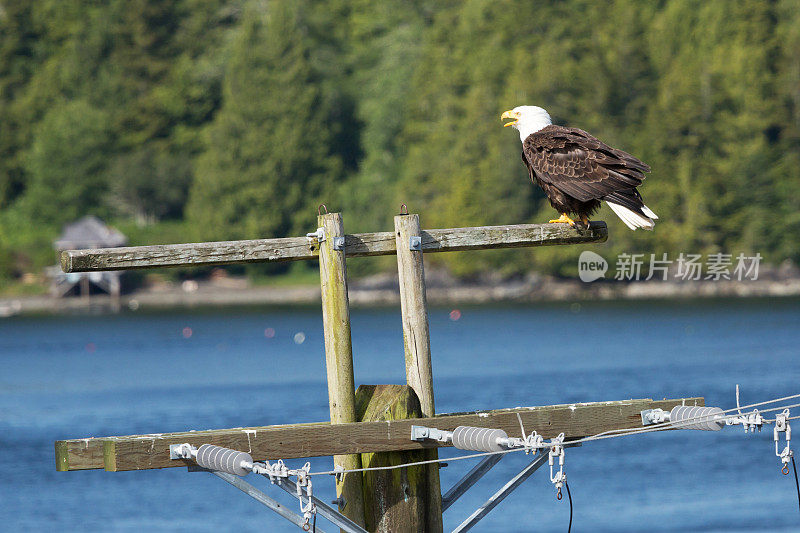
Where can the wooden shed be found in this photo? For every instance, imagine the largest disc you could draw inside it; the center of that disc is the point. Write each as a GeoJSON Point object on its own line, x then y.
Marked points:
{"type": "Point", "coordinates": [86, 233]}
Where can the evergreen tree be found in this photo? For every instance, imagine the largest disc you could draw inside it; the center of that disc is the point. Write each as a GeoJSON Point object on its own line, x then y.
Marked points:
{"type": "Point", "coordinates": [386, 47]}
{"type": "Point", "coordinates": [66, 163]}
{"type": "Point", "coordinates": [268, 164]}
{"type": "Point", "coordinates": [255, 111]}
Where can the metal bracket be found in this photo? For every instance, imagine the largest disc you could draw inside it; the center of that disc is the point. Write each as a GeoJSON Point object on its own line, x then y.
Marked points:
{"type": "Point", "coordinates": [338, 243]}
{"type": "Point", "coordinates": [259, 496]}
{"type": "Point", "coordinates": [472, 477]}
{"type": "Point", "coordinates": [500, 495]}
{"type": "Point", "coordinates": [415, 242]}
{"type": "Point", "coordinates": [654, 416]}
{"type": "Point", "coordinates": [178, 451]}
{"type": "Point", "coordinates": [323, 509]}
{"type": "Point", "coordinates": [319, 235]}
{"type": "Point", "coordinates": [782, 426]}
{"type": "Point", "coordinates": [420, 433]}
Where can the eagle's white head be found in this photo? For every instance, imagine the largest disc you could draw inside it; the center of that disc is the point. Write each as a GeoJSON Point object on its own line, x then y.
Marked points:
{"type": "Point", "coordinates": [527, 119]}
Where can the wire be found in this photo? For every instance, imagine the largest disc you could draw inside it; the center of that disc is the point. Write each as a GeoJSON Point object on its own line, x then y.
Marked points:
{"type": "Point", "coordinates": [670, 425]}
{"type": "Point", "coordinates": [796, 484]}
{"type": "Point", "coordinates": [776, 400]}
{"type": "Point", "coordinates": [569, 496]}
{"type": "Point", "coordinates": [600, 436]}
{"type": "Point", "coordinates": [417, 463]}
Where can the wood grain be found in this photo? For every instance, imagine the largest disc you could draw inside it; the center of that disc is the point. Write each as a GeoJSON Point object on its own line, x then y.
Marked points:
{"type": "Point", "coordinates": [339, 358]}
{"type": "Point", "coordinates": [304, 248]}
{"type": "Point", "coordinates": [394, 500]}
{"type": "Point", "coordinates": [417, 345]}
{"type": "Point", "coordinates": [79, 454]}
{"type": "Point", "coordinates": [140, 452]}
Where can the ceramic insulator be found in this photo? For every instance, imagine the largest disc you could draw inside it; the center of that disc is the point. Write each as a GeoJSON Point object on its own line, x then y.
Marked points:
{"type": "Point", "coordinates": [224, 459]}
{"type": "Point", "coordinates": [478, 439]}
{"type": "Point", "coordinates": [710, 418]}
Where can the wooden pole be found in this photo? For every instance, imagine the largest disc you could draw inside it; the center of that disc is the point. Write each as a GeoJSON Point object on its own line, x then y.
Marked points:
{"type": "Point", "coordinates": [394, 500]}
{"type": "Point", "coordinates": [416, 339]}
{"type": "Point", "coordinates": [339, 357]}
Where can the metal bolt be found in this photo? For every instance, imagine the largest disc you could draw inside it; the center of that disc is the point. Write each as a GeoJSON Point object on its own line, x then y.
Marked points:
{"type": "Point", "coordinates": [340, 502]}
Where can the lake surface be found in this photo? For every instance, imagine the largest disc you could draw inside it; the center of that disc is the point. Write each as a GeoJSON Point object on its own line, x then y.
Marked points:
{"type": "Point", "coordinates": [77, 376]}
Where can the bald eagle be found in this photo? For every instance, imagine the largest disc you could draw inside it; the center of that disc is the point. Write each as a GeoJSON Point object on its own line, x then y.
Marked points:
{"type": "Point", "coordinates": [577, 171]}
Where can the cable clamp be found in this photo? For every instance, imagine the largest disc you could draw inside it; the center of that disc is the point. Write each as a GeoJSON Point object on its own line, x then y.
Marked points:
{"type": "Point", "coordinates": [557, 450]}
{"type": "Point", "coordinates": [782, 426]}
{"type": "Point", "coordinates": [533, 443]}
{"type": "Point", "coordinates": [274, 471]}
{"type": "Point", "coordinates": [754, 420]}
{"type": "Point", "coordinates": [338, 473]}
{"type": "Point", "coordinates": [749, 421]}
{"type": "Point", "coordinates": [304, 485]}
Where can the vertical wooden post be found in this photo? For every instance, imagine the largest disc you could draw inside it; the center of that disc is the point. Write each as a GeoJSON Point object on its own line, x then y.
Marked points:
{"type": "Point", "coordinates": [394, 500]}
{"type": "Point", "coordinates": [416, 339]}
{"type": "Point", "coordinates": [339, 357]}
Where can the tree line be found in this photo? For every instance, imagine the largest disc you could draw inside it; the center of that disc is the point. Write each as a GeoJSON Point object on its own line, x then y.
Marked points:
{"type": "Point", "coordinates": [224, 119]}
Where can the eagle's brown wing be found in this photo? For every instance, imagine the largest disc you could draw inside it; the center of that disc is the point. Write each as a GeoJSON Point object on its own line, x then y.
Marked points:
{"type": "Point", "coordinates": [581, 165]}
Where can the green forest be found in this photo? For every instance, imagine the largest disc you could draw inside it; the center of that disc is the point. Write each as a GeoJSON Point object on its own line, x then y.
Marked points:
{"type": "Point", "coordinates": [188, 120]}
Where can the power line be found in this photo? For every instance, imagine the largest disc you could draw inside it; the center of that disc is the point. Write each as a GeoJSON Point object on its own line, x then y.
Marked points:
{"type": "Point", "coordinates": [670, 425]}
{"type": "Point", "coordinates": [623, 432]}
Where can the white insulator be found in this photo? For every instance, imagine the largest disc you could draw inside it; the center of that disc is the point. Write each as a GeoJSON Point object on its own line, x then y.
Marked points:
{"type": "Point", "coordinates": [704, 418]}
{"type": "Point", "coordinates": [224, 460]}
{"type": "Point", "coordinates": [479, 439]}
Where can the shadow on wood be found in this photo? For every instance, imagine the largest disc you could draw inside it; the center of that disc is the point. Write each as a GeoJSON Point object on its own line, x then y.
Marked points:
{"type": "Point", "coordinates": [394, 500]}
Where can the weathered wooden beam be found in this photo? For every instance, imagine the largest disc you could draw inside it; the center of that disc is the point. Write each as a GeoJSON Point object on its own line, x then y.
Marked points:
{"type": "Point", "coordinates": [339, 358]}
{"type": "Point", "coordinates": [304, 248]}
{"type": "Point", "coordinates": [139, 452]}
{"type": "Point", "coordinates": [417, 347]}
{"type": "Point", "coordinates": [79, 454]}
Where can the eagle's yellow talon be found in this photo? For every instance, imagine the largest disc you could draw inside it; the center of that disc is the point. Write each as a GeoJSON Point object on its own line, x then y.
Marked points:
{"type": "Point", "coordinates": [564, 219]}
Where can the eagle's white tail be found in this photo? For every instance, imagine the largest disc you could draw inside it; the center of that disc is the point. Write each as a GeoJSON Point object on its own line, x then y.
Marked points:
{"type": "Point", "coordinates": [632, 219]}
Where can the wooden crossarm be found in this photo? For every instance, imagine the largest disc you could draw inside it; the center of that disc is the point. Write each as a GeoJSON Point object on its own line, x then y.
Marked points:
{"type": "Point", "coordinates": [139, 452]}
{"type": "Point", "coordinates": [304, 248]}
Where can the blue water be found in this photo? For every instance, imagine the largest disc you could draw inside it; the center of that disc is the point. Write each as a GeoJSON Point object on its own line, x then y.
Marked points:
{"type": "Point", "coordinates": [78, 376]}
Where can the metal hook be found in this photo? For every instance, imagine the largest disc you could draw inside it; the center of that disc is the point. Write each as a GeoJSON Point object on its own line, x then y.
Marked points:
{"type": "Point", "coordinates": [785, 469]}
{"type": "Point", "coordinates": [320, 207]}
{"type": "Point", "coordinates": [306, 526]}
{"type": "Point", "coordinates": [403, 209]}
{"type": "Point", "coordinates": [558, 494]}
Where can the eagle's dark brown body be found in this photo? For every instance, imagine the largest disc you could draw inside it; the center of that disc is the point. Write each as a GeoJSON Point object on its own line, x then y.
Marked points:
{"type": "Point", "coordinates": [577, 171]}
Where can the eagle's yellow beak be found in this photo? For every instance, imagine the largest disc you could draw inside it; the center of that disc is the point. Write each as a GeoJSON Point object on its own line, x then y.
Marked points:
{"type": "Point", "coordinates": [512, 115]}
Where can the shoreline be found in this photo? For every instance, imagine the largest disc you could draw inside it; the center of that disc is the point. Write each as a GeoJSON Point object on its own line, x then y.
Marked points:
{"type": "Point", "coordinates": [382, 290]}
